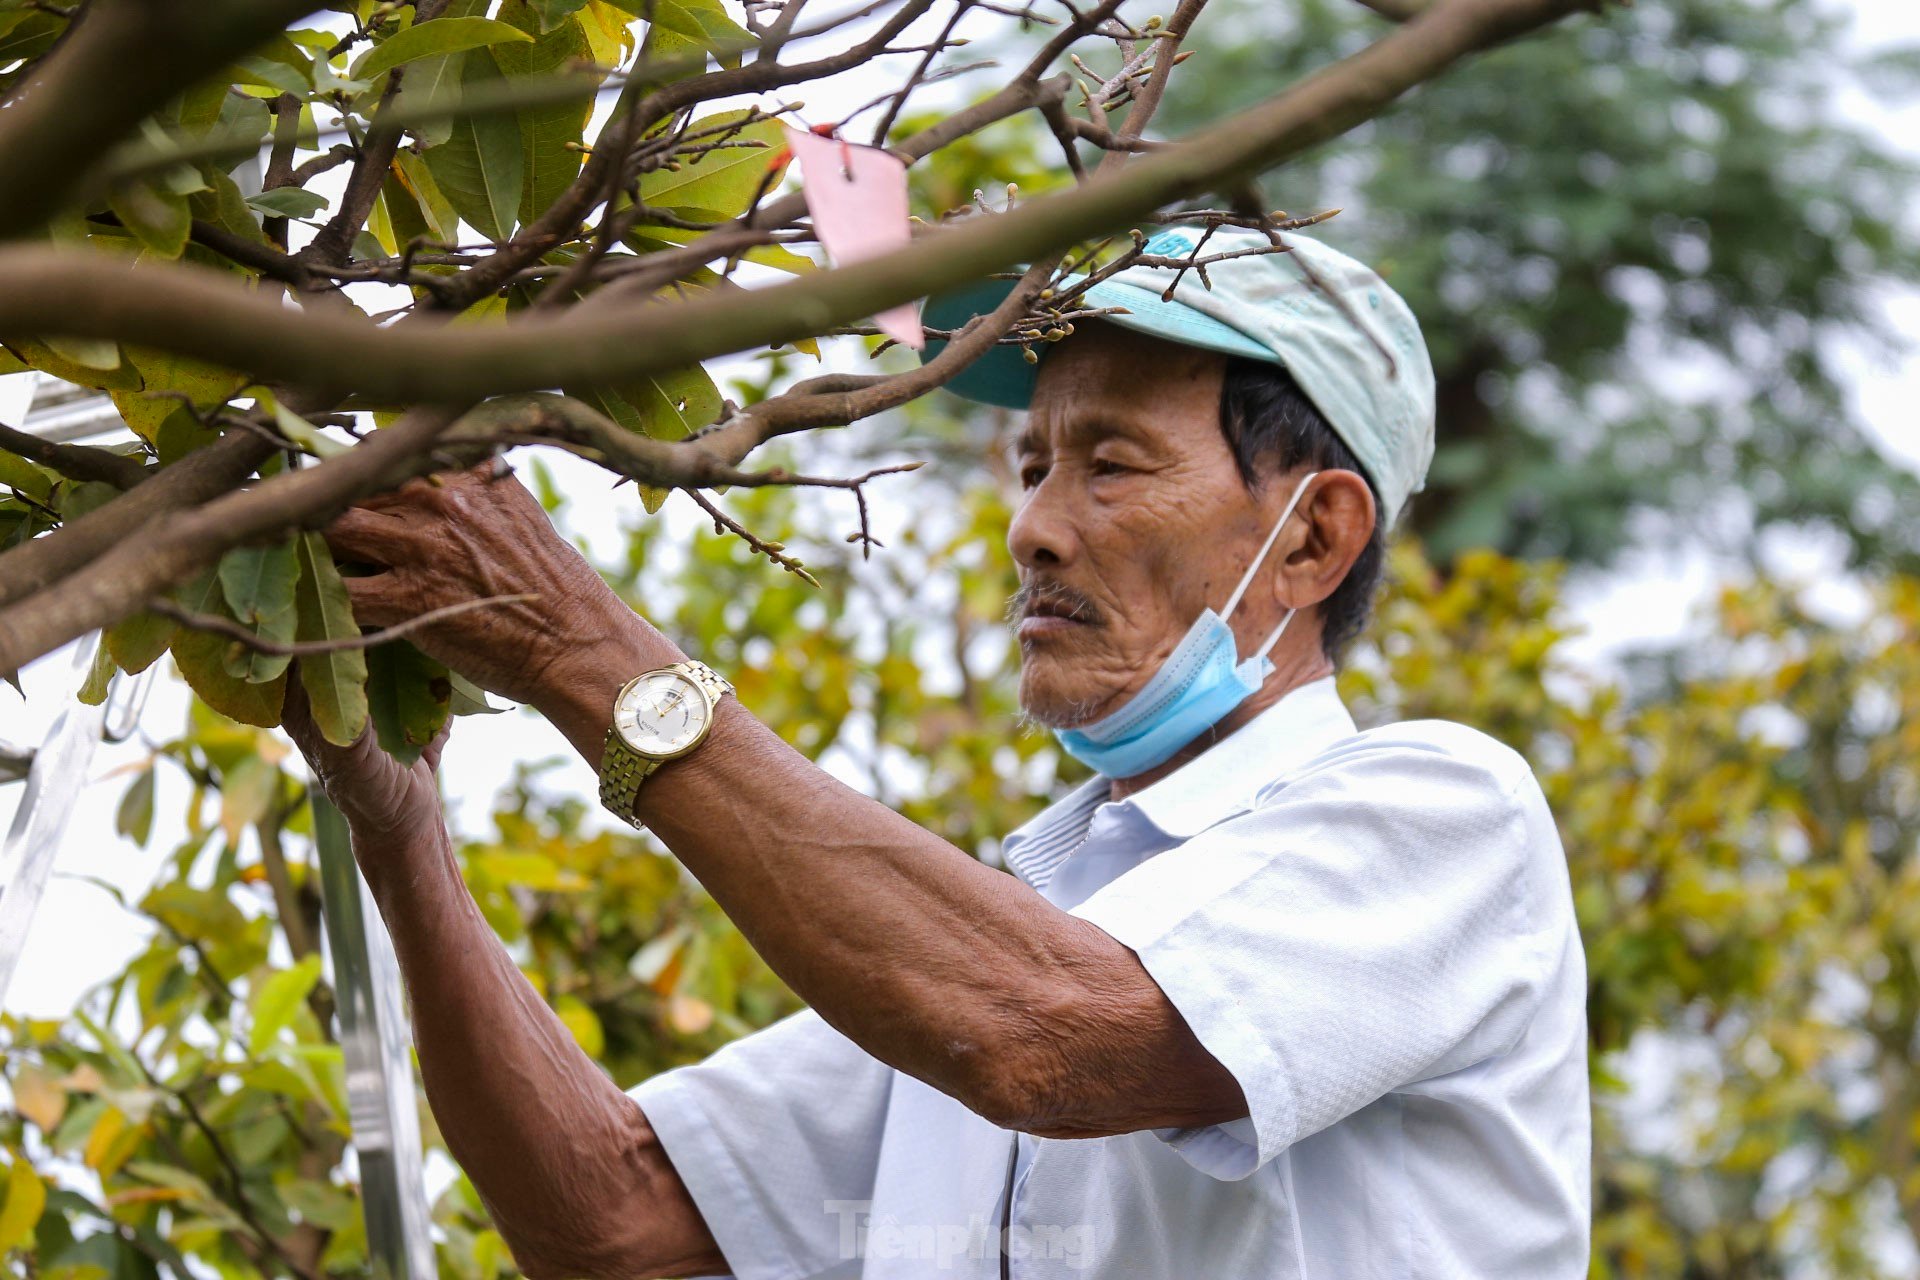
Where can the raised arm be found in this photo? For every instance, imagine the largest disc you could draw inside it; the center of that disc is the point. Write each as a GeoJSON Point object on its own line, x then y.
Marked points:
{"type": "Point", "coordinates": [567, 1164]}
{"type": "Point", "coordinates": [944, 968]}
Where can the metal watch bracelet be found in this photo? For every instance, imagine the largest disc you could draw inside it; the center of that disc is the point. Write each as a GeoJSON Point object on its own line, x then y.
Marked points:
{"type": "Point", "coordinates": [622, 769]}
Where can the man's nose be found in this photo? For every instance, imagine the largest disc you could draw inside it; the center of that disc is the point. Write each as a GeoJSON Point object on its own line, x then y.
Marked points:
{"type": "Point", "coordinates": [1044, 533]}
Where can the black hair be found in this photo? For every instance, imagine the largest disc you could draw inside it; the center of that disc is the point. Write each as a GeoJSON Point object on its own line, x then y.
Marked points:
{"type": "Point", "coordinates": [1267, 419]}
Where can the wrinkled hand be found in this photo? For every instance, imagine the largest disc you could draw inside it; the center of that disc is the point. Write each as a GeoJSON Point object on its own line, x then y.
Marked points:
{"type": "Point", "coordinates": [469, 537]}
{"type": "Point", "coordinates": [378, 796]}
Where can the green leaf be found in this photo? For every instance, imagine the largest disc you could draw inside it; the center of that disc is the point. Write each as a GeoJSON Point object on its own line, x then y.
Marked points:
{"type": "Point", "coordinates": [683, 27]}
{"type": "Point", "coordinates": [433, 82]}
{"type": "Point", "coordinates": [135, 642]}
{"type": "Point", "coordinates": [279, 998]}
{"type": "Point", "coordinates": [407, 695]}
{"type": "Point", "coordinates": [158, 216]}
{"type": "Point", "coordinates": [551, 133]}
{"type": "Point", "coordinates": [529, 871]}
{"type": "Point", "coordinates": [721, 181]}
{"type": "Point", "coordinates": [666, 406]}
{"type": "Point", "coordinates": [247, 792]}
{"type": "Point", "coordinates": [46, 358]}
{"type": "Point", "coordinates": [554, 12]}
{"type": "Point", "coordinates": [197, 1192]}
{"type": "Point", "coordinates": [443, 224]}
{"type": "Point", "coordinates": [97, 354]}
{"type": "Point", "coordinates": [480, 168]}
{"type": "Point", "coordinates": [28, 36]}
{"type": "Point", "coordinates": [468, 698]}
{"type": "Point", "coordinates": [26, 1197]}
{"type": "Point", "coordinates": [425, 39]}
{"type": "Point", "coordinates": [93, 691]}
{"type": "Point", "coordinates": [146, 406]}
{"type": "Point", "coordinates": [134, 818]}
{"type": "Point", "coordinates": [289, 202]}
{"type": "Point", "coordinates": [75, 500]}
{"type": "Point", "coordinates": [259, 585]}
{"type": "Point", "coordinates": [24, 477]}
{"type": "Point", "coordinates": [223, 205]}
{"type": "Point", "coordinates": [201, 657]}
{"type": "Point", "coordinates": [303, 433]}
{"type": "Point", "coordinates": [648, 239]}
{"type": "Point", "coordinates": [336, 683]}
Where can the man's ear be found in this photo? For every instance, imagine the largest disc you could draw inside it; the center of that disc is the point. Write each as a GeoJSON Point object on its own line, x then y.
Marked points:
{"type": "Point", "coordinates": [1335, 521]}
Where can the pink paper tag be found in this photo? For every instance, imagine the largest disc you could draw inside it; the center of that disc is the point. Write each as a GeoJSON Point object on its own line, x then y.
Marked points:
{"type": "Point", "coordinates": [858, 198]}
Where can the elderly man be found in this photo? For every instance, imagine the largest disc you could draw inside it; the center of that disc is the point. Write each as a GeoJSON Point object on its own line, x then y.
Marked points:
{"type": "Point", "coordinates": [1267, 997]}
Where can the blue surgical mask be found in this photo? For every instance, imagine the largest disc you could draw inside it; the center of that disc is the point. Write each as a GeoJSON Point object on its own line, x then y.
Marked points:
{"type": "Point", "coordinates": [1200, 682]}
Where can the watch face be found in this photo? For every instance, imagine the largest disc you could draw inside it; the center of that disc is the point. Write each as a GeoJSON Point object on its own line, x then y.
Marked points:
{"type": "Point", "coordinates": [662, 713]}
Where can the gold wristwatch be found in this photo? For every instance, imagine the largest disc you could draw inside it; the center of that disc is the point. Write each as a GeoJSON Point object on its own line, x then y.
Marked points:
{"type": "Point", "coordinates": [658, 716]}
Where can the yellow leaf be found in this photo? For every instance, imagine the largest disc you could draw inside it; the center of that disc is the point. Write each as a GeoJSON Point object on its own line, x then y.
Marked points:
{"type": "Point", "coordinates": [26, 1197]}
{"type": "Point", "coordinates": [582, 1024]}
{"type": "Point", "coordinates": [84, 1078]}
{"type": "Point", "coordinates": [39, 1097]}
{"type": "Point", "coordinates": [112, 1142]}
{"type": "Point", "coordinates": [688, 1015]}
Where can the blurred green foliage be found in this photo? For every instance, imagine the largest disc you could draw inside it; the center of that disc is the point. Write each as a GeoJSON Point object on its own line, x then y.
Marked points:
{"type": "Point", "coordinates": [1635, 247]}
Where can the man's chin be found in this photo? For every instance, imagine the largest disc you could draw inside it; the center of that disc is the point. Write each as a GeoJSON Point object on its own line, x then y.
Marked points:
{"type": "Point", "coordinates": [1052, 705]}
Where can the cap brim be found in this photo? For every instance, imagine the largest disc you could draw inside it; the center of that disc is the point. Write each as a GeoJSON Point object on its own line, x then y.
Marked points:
{"type": "Point", "coordinates": [1003, 376]}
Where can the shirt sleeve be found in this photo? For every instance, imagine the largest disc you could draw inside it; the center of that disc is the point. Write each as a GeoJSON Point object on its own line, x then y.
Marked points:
{"type": "Point", "coordinates": [769, 1134]}
{"type": "Point", "coordinates": [1383, 917]}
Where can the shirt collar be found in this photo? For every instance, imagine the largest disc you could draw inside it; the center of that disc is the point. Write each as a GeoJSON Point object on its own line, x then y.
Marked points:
{"type": "Point", "coordinates": [1227, 777]}
{"type": "Point", "coordinates": [1223, 780]}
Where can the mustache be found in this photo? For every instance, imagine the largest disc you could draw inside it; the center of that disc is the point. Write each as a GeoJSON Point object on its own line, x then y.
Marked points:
{"type": "Point", "coordinates": [1058, 597]}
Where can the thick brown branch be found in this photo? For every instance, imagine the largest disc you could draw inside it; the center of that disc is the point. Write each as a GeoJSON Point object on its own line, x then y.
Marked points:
{"type": "Point", "coordinates": [199, 477]}
{"type": "Point", "coordinates": [265, 259]}
{"type": "Point", "coordinates": [175, 547]}
{"type": "Point", "coordinates": [194, 312]}
{"type": "Point", "coordinates": [74, 461]}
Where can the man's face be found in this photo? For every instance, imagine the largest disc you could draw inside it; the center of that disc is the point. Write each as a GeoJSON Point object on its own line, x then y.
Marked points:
{"type": "Point", "coordinates": [1135, 519]}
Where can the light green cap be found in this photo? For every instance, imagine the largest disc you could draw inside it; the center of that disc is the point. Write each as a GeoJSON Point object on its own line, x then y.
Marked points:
{"type": "Point", "coordinates": [1351, 342]}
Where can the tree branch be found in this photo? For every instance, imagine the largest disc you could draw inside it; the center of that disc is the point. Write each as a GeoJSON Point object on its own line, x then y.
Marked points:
{"type": "Point", "coordinates": [195, 312]}
{"type": "Point", "coordinates": [325, 353]}
{"type": "Point", "coordinates": [74, 461]}
{"type": "Point", "coordinates": [121, 63]}
{"type": "Point", "coordinates": [312, 648]}
{"type": "Point", "coordinates": [201, 476]}
{"type": "Point", "coordinates": [173, 548]}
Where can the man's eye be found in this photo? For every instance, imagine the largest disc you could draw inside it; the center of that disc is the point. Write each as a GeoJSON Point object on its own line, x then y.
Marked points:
{"type": "Point", "coordinates": [1108, 467]}
{"type": "Point", "coordinates": [1031, 476]}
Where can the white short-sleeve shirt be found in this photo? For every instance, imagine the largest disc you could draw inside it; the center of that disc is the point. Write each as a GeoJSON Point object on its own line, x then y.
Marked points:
{"type": "Point", "coordinates": [1372, 931]}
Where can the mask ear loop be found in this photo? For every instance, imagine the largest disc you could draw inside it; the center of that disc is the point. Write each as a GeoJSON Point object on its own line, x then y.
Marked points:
{"type": "Point", "coordinates": [1247, 579]}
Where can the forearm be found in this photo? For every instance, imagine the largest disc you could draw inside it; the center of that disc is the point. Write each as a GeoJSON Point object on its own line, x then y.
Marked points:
{"type": "Point", "coordinates": [571, 1171]}
{"type": "Point", "coordinates": [938, 965]}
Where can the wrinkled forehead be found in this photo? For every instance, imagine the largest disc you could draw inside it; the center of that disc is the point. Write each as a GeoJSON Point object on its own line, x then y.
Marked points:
{"type": "Point", "coordinates": [1106, 381]}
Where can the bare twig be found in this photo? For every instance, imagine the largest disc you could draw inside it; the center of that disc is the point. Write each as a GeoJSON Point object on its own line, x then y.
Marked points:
{"type": "Point", "coordinates": [310, 648]}
{"type": "Point", "coordinates": [774, 551]}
